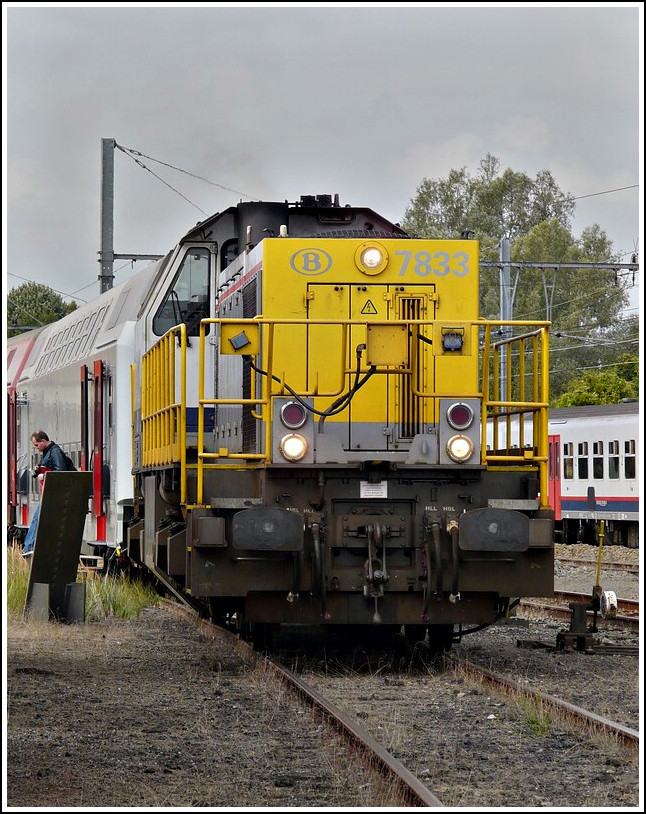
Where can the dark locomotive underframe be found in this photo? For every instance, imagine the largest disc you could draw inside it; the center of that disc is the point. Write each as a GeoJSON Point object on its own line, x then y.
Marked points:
{"type": "Point", "coordinates": [356, 562]}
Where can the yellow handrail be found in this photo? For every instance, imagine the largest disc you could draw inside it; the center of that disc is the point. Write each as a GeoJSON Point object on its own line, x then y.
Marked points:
{"type": "Point", "coordinates": [164, 415]}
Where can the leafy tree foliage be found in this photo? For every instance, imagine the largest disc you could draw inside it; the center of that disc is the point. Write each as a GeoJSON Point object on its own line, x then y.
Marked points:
{"type": "Point", "coordinates": [583, 304]}
{"type": "Point", "coordinates": [32, 305]}
{"type": "Point", "coordinates": [597, 387]}
{"type": "Point", "coordinates": [491, 204]}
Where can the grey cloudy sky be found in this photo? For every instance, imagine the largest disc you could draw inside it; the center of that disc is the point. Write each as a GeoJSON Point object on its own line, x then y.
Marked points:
{"type": "Point", "coordinates": [273, 101]}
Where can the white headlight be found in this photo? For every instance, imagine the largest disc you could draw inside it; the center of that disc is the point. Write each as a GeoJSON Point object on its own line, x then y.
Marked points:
{"type": "Point", "coordinates": [371, 257]}
{"type": "Point", "coordinates": [293, 447]}
{"type": "Point", "coordinates": [459, 448]}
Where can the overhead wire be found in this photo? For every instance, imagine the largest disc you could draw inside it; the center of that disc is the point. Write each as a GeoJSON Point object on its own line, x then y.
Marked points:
{"type": "Point", "coordinates": [131, 153]}
{"type": "Point", "coordinates": [61, 293]}
{"type": "Point", "coordinates": [597, 367]}
{"type": "Point", "coordinates": [29, 314]}
{"type": "Point", "coordinates": [143, 166]}
{"type": "Point", "coordinates": [592, 344]}
{"type": "Point", "coordinates": [605, 192]}
{"type": "Point", "coordinates": [584, 295]}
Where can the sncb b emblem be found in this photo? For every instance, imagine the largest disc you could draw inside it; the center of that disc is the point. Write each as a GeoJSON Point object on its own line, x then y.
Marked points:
{"type": "Point", "coordinates": [311, 262]}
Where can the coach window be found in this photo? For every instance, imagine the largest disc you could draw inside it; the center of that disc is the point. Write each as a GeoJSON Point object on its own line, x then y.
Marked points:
{"type": "Point", "coordinates": [187, 299]}
{"type": "Point", "coordinates": [568, 461]}
{"type": "Point", "coordinates": [597, 460]}
{"type": "Point", "coordinates": [613, 460]}
{"type": "Point", "coordinates": [629, 459]}
{"type": "Point", "coordinates": [582, 461]}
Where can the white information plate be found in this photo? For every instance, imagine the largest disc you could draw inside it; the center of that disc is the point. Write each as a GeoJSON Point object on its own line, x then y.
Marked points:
{"type": "Point", "coordinates": [374, 489]}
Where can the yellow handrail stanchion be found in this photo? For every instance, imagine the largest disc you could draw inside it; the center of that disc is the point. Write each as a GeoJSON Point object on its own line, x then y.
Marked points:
{"type": "Point", "coordinates": [600, 553]}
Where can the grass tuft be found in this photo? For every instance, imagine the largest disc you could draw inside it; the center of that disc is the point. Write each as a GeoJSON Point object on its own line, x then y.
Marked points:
{"type": "Point", "coordinates": [534, 720]}
{"type": "Point", "coordinates": [108, 595]}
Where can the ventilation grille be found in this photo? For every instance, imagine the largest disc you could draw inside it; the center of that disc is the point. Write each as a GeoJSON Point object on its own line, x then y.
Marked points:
{"type": "Point", "coordinates": [248, 421]}
{"type": "Point", "coordinates": [410, 418]}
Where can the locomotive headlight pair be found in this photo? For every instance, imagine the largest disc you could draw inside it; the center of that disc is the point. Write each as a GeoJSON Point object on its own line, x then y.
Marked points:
{"type": "Point", "coordinates": [293, 447]}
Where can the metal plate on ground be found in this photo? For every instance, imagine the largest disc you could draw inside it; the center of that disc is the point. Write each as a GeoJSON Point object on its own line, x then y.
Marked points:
{"type": "Point", "coordinates": [59, 534]}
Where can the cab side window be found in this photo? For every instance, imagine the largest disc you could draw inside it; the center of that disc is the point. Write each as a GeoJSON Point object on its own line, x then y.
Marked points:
{"type": "Point", "coordinates": [187, 299]}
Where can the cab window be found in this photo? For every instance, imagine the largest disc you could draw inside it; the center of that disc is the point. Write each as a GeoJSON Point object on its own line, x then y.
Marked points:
{"type": "Point", "coordinates": [187, 299]}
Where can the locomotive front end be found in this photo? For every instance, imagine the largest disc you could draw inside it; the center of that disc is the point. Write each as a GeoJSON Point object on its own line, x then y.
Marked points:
{"type": "Point", "coordinates": [365, 382]}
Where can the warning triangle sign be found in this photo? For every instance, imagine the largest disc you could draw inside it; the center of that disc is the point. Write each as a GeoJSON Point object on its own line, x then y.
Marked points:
{"type": "Point", "coordinates": [369, 308]}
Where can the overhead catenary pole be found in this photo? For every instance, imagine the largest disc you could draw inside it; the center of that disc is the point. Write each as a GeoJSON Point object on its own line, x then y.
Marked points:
{"type": "Point", "coordinates": [107, 255]}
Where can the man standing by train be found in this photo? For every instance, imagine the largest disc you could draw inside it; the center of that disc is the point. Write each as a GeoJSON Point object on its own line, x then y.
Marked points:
{"type": "Point", "coordinates": [53, 459]}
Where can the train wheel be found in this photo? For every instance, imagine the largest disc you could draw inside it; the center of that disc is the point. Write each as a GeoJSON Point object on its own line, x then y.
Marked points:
{"type": "Point", "coordinates": [415, 634]}
{"type": "Point", "coordinates": [440, 638]}
{"type": "Point", "coordinates": [264, 635]}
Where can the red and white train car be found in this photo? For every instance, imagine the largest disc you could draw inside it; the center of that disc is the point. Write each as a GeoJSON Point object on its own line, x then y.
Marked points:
{"type": "Point", "coordinates": [594, 472]}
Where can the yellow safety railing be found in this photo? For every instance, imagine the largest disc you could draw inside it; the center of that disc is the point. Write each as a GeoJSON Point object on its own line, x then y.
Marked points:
{"type": "Point", "coordinates": [163, 410]}
{"type": "Point", "coordinates": [506, 405]}
{"type": "Point", "coordinates": [510, 407]}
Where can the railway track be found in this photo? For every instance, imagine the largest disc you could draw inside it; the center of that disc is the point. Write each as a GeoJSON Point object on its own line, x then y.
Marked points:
{"type": "Point", "coordinates": [581, 717]}
{"type": "Point", "coordinates": [396, 776]}
{"type": "Point", "coordinates": [434, 720]}
{"type": "Point", "coordinates": [395, 773]}
{"type": "Point", "coordinates": [559, 608]}
{"type": "Point", "coordinates": [608, 566]}
{"type": "Point", "coordinates": [627, 606]}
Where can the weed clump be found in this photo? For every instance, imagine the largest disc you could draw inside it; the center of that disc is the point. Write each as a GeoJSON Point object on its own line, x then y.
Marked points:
{"type": "Point", "coordinates": [106, 595]}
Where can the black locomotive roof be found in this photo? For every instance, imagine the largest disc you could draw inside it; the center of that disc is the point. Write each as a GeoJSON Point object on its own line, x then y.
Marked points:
{"type": "Point", "coordinates": [311, 216]}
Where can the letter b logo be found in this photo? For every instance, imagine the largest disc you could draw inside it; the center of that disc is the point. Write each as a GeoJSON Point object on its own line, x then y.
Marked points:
{"type": "Point", "coordinates": [311, 262]}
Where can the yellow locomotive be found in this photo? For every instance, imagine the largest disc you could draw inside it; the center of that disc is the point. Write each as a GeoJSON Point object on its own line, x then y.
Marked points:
{"type": "Point", "coordinates": [314, 445]}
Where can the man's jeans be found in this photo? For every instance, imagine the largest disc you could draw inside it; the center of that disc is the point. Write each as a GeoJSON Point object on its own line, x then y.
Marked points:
{"type": "Point", "coordinates": [30, 537]}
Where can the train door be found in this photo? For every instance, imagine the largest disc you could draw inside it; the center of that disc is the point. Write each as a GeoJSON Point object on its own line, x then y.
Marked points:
{"type": "Point", "coordinates": [18, 445]}
{"type": "Point", "coordinates": [98, 452]}
{"type": "Point", "coordinates": [20, 451]}
{"type": "Point", "coordinates": [554, 474]}
{"type": "Point", "coordinates": [13, 517]}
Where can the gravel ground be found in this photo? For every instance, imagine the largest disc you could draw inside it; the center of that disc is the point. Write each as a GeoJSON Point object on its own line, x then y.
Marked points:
{"type": "Point", "coordinates": [583, 577]}
{"type": "Point", "coordinates": [475, 750]}
{"type": "Point", "coordinates": [154, 713]}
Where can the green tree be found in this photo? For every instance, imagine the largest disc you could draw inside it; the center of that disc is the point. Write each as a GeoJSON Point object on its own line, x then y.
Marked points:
{"type": "Point", "coordinates": [597, 387]}
{"type": "Point", "coordinates": [32, 304]}
{"type": "Point", "coordinates": [491, 204]}
{"type": "Point", "coordinates": [583, 304]}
